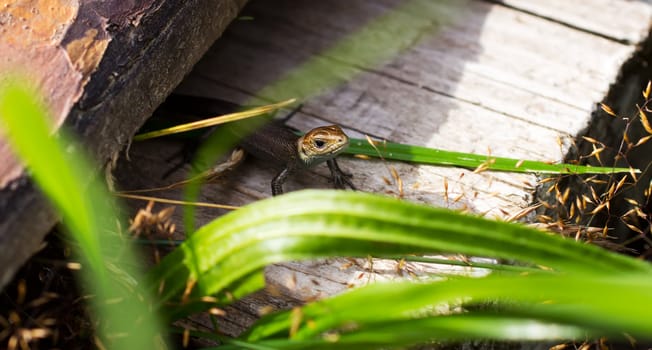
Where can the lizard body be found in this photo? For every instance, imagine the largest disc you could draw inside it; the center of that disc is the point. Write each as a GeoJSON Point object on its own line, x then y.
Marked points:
{"type": "Point", "coordinates": [278, 144]}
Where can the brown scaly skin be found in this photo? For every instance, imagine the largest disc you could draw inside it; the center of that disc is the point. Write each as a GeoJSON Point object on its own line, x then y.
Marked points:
{"type": "Point", "coordinates": [324, 143]}
{"type": "Point", "coordinates": [321, 144]}
{"type": "Point", "coordinates": [276, 143]}
{"type": "Point", "coordinates": [273, 142]}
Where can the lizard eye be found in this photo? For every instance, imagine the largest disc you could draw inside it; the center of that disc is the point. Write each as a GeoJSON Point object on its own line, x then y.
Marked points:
{"type": "Point", "coordinates": [319, 143]}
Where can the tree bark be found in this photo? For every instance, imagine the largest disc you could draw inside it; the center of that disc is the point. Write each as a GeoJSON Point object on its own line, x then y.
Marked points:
{"type": "Point", "coordinates": [102, 67]}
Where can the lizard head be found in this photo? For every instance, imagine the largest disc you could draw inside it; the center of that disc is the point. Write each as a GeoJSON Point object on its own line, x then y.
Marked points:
{"type": "Point", "coordinates": [321, 144]}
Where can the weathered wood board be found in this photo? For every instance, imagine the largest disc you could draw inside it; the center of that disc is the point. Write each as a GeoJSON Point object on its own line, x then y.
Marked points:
{"type": "Point", "coordinates": [613, 19]}
{"type": "Point", "coordinates": [102, 67]}
{"type": "Point", "coordinates": [474, 76]}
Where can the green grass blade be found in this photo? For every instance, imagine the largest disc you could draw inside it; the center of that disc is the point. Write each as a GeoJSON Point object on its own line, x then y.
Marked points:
{"type": "Point", "coordinates": [561, 304]}
{"type": "Point", "coordinates": [311, 224]}
{"type": "Point", "coordinates": [405, 332]}
{"type": "Point", "coordinates": [59, 174]}
{"type": "Point", "coordinates": [88, 211]}
{"type": "Point", "coordinates": [431, 156]}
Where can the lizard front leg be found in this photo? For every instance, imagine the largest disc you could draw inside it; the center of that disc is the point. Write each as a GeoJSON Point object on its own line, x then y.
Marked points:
{"type": "Point", "coordinates": [278, 180]}
{"type": "Point", "coordinates": [340, 177]}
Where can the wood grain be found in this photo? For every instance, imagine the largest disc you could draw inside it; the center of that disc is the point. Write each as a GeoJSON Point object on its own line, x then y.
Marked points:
{"type": "Point", "coordinates": [517, 79]}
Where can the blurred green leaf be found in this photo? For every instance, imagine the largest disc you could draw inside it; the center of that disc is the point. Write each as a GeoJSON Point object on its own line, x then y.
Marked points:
{"type": "Point", "coordinates": [61, 171]}
{"type": "Point", "coordinates": [536, 306]}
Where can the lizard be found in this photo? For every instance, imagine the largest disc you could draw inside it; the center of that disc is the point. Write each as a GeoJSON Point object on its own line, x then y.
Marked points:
{"type": "Point", "coordinates": [278, 144]}
{"type": "Point", "coordinates": [282, 146]}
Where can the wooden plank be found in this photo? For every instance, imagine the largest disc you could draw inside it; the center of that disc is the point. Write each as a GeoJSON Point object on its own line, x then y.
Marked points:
{"type": "Point", "coordinates": [624, 21]}
{"type": "Point", "coordinates": [468, 76]}
{"type": "Point", "coordinates": [475, 79]}
{"type": "Point", "coordinates": [102, 68]}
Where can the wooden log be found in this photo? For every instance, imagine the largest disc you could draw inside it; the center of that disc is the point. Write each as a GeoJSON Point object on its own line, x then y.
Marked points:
{"type": "Point", "coordinates": [102, 68]}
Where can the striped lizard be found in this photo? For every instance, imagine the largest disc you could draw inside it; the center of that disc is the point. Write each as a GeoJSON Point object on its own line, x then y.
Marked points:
{"type": "Point", "coordinates": [278, 144]}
